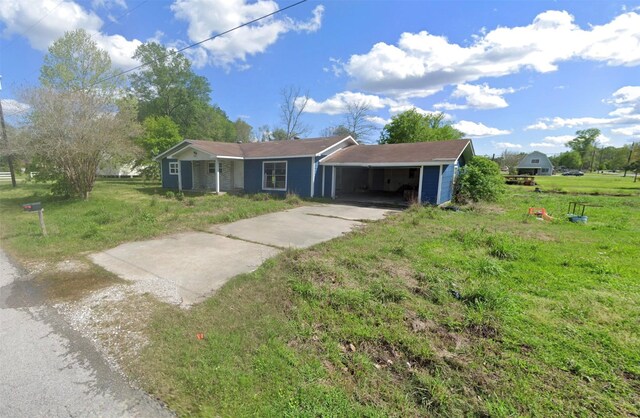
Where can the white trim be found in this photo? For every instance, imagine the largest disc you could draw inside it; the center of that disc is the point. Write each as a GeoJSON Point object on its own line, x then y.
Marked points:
{"type": "Point", "coordinates": [217, 176]}
{"type": "Point", "coordinates": [313, 174]}
{"type": "Point", "coordinates": [439, 185]}
{"type": "Point", "coordinates": [162, 155]}
{"type": "Point", "coordinates": [473, 152]}
{"type": "Point", "coordinates": [179, 176]}
{"type": "Point", "coordinates": [323, 177]}
{"type": "Point", "coordinates": [177, 163]}
{"type": "Point", "coordinates": [338, 143]}
{"type": "Point", "coordinates": [333, 182]}
{"type": "Point", "coordinates": [286, 175]}
{"type": "Point", "coordinates": [193, 178]}
{"type": "Point", "coordinates": [279, 156]}
{"type": "Point", "coordinates": [390, 164]}
{"type": "Point", "coordinates": [420, 185]}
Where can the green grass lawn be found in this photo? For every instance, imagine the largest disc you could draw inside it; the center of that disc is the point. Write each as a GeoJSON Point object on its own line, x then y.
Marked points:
{"type": "Point", "coordinates": [591, 183]}
{"type": "Point", "coordinates": [481, 312]}
{"type": "Point", "coordinates": [117, 211]}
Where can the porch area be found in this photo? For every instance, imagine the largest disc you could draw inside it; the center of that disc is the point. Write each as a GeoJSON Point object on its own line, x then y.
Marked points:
{"type": "Point", "coordinates": [217, 176]}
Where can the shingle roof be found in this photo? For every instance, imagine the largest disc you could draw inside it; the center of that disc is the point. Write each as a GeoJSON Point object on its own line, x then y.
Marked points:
{"type": "Point", "coordinates": [291, 148]}
{"type": "Point", "coordinates": [415, 152]}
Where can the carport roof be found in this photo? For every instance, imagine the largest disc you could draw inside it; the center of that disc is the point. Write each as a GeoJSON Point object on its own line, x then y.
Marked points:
{"type": "Point", "coordinates": [418, 153]}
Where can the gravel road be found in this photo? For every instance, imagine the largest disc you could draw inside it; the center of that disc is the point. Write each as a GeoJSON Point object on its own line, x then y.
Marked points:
{"type": "Point", "coordinates": [49, 370]}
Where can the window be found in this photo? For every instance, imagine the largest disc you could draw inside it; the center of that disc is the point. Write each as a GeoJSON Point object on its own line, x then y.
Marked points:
{"type": "Point", "coordinates": [544, 170]}
{"type": "Point", "coordinates": [212, 168]}
{"type": "Point", "coordinates": [173, 169]}
{"type": "Point", "coordinates": [535, 161]}
{"type": "Point", "coordinates": [274, 175]}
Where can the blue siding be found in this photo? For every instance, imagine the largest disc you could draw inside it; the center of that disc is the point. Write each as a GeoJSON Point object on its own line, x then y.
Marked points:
{"type": "Point", "coordinates": [317, 185]}
{"type": "Point", "coordinates": [430, 184]}
{"type": "Point", "coordinates": [328, 173]}
{"type": "Point", "coordinates": [298, 176]}
{"type": "Point", "coordinates": [446, 189]}
{"type": "Point", "coordinates": [168, 181]}
{"type": "Point", "coordinates": [187, 175]}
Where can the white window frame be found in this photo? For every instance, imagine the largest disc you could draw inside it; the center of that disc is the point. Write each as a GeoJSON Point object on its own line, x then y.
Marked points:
{"type": "Point", "coordinates": [286, 175]}
{"type": "Point", "coordinates": [174, 168]}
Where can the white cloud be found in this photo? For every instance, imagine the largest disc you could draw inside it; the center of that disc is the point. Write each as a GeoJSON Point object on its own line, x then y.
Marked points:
{"type": "Point", "coordinates": [23, 18]}
{"type": "Point", "coordinates": [337, 104]}
{"type": "Point", "coordinates": [108, 4]}
{"type": "Point", "coordinates": [209, 17]}
{"type": "Point", "coordinates": [543, 145]}
{"type": "Point", "coordinates": [477, 96]}
{"type": "Point", "coordinates": [477, 129]}
{"type": "Point", "coordinates": [557, 123]}
{"type": "Point", "coordinates": [506, 145]}
{"type": "Point", "coordinates": [422, 63]}
{"type": "Point", "coordinates": [558, 139]}
{"type": "Point", "coordinates": [632, 130]}
{"type": "Point", "coordinates": [11, 107]}
{"type": "Point", "coordinates": [627, 112]}
{"type": "Point", "coordinates": [378, 120]}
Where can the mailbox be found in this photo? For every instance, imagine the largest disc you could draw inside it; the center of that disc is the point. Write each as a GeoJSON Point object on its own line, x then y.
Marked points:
{"type": "Point", "coordinates": [32, 207]}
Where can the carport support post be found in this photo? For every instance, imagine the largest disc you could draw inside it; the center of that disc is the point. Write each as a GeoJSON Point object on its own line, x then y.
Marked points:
{"type": "Point", "coordinates": [179, 175]}
{"type": "Point", "coordinates": [420, 184]}
{"type": "Point", "coordinates": [217, 176]}
{"type": "Point", "coordinates": [333, 182]}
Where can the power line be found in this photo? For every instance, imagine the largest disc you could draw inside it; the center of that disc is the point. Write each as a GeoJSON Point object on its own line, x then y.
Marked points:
{"type": "Point", "coordinates": [144, 64]}
{"type": "Point", "coordinates": [201, 42]}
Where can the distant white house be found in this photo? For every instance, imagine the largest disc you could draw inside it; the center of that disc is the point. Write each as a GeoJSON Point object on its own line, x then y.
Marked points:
{"type": "Point", "coordinates": [108, 169]}
{"type": "Point", "coordinates": [535, 164]}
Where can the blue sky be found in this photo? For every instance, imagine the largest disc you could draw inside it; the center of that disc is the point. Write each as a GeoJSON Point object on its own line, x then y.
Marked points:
{"type": "Point", "coordinates": [517, 75]}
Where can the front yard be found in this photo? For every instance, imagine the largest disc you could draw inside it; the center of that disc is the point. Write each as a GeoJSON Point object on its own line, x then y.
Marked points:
{"type": "Point", "coordinates": [486, 311]}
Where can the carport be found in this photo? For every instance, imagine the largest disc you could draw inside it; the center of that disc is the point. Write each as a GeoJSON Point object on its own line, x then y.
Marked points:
{"type": "Point", "coordinates": [383, 185]}
{"type": "Point", "coordinates": [398, 174]}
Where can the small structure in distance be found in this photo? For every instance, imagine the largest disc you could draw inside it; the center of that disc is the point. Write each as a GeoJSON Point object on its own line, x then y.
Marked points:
{"type": "Point", "coordinates": [535, 164]}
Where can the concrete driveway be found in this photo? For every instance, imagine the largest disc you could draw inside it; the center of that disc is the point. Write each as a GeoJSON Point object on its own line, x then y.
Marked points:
{"type": "Point", "coordinates": [186, 268]}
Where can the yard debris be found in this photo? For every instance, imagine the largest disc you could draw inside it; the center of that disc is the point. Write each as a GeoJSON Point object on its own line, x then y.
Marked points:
{"type": "Point", "coordinates": [200, 336]}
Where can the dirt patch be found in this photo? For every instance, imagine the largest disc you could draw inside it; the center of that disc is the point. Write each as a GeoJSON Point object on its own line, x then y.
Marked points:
{"type": "Point", "coordinates": [74, 284]}
{"type": "Point", "coordinates": [115, 319]}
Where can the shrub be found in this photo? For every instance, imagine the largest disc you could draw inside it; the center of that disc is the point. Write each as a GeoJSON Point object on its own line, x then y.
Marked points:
{"type": "Point", "coordinates": [479, 180]}
{"type": "Point", "coordinates": [180, 196]}
{"type": "Point", "coordinates": [170, 195]}
{"type": "Point", "coordinates": [293, 199]}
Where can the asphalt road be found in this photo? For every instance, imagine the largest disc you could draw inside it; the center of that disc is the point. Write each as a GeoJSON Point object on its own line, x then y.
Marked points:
{"type": "Point", "coordinates": [49, 370]}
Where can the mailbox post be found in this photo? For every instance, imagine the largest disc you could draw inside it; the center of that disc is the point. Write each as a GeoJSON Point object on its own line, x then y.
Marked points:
{"type": "Point", "coordinates": [36, 207]}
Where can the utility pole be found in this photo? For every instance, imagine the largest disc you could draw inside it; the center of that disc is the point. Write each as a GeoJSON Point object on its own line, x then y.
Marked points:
{"type": "Point", "coordinates": [6, 143]}
{"type": "Point", "coordinates": [633, 144]}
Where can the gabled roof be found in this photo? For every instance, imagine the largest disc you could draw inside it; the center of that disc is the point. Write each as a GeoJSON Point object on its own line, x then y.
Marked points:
{"type": "Point", "coordinates": [415, 153]}
{"type": "Point", "coordinates": [274, 149]}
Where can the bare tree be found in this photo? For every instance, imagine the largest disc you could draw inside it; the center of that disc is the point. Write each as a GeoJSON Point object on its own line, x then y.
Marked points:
{"type": "Point", "coordinates": [72, 132]}
{"type": "Point", "coordinates": [357, 120]}
{"type": "Point", "coordinates": [291, 108]}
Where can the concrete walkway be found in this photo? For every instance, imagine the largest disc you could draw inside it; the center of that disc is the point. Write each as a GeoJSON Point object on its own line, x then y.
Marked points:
{"type": "Point", "coordinates": [187, 268]}
{"type": "Point", "coordinates": [49, 370]}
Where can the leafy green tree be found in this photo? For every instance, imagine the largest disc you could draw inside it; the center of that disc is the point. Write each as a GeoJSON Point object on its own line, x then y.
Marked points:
{"type": "Point", "coordinates": [243, 131]}
{"type": "Point", "coordinates": [584, 144]}
{"type": "Point", "coordinates": [279, 134]}
{"type": "Point", "coordinates": [210, 123]}
{"type": "Point", "coordinates": [412, 126]}
{"type": "Point", "coordinates": [159, 134]}
{"type": "Point", "coordinates": [74, 62]}
{"type": "Point", "coordinates": [479, 180]}
{"type": "Point", "coordinates": [77, 119]}
{"type": "Point", "coordinates": [167, 86]}
{"type": "Point", "coordinates": [569, 159]}
{"type": "Point", "coordinates": [338, 130]}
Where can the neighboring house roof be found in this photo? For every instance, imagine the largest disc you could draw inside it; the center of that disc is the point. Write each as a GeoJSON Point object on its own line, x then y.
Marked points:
{"type": "Point", "coordinates": [423, 153]}
{"type": "Point", "coordinates": [526, 162]}
{"type": "Point", "coordinates": [273, 149]}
